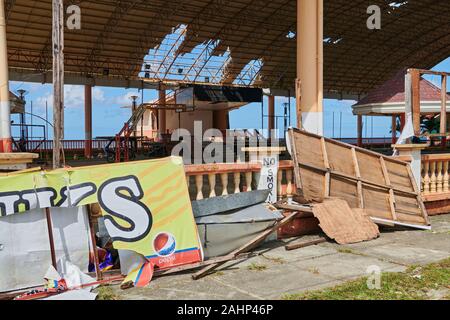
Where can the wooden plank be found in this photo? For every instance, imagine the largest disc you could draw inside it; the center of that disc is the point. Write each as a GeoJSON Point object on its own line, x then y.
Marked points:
{"type": "Point", "coordinates": [198, 265]}
{"type": "Point", "coordinates": [248, 246]}
{"type": "Point", "coordinates": [18, 156]}
{"type": "Point", "coordinates": [297, 208]}
{"type": "Point", "coordinates": [366, 182]}
{"type": "Point", "coordinates": [415, 82]}
{"type": "Point", "coordinates": [51, 240]}
{"type": "Point", "coordinates": [391, 191]}
{"type": "Point", "coordinates": [344, 145]}
{"type": "Point", "coordinates": [327, 166]}
{"type": "Point", "coordinates": [344, 225]}
{"type": "Point", "coordinates": [444, 105]}
{"type": "Point", "coordinates": [419, 197]}
{"type": "Point", "coordinates": [358, 176]}
{"type": "Point", "coordinates": [304, 244]}
{"type": "Point", "coordinates": [58, 80]}
{"type": "Point", "coordinates": [297, 175]}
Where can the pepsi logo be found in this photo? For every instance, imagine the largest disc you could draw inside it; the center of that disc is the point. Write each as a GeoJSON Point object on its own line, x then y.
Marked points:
{"type": "Point", "coordinates": [164, 244]}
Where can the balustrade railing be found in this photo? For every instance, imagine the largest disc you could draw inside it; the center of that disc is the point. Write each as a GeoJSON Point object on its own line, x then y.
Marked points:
{"type": "Point", "coordinates": [210, 180]}
{"type": "Point", "coordinates": [436, 175]}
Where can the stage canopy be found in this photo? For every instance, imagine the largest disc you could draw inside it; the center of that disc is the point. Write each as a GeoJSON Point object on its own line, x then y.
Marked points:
{"type": "Point", "coordinates": [240, 42]}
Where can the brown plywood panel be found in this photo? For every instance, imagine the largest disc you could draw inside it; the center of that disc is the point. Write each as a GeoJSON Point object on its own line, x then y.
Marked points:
{"type": "Point", "coordinates": [313, 186]}
{"type": "Point", "coordinates": [370, 168]}
{"type": "Point", "coordinates": [310, 149]}
{"type": "Point", "coordinates": [382, 186]}
{"type": "Point", "coordinates": [399, 176]}
{"type": "Point", "coordinates": [338, 158]}
{"type": "Point", "coordinates": [346, 190]}
{"type": "Point", "coordinates": [343, 224]}
{"type": "Point", "coordinates": [376, 202]}
{"type": "Point", "coordinates": [407, 205]}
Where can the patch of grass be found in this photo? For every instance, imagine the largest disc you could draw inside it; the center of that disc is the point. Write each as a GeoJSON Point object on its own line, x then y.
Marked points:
{"type": "Point", "coordinates": [349, 251]}
{"type": "Point", "coordinates": [257, 267]}
{"type": "Point", "coordinates": [413, 284]}
{"type": "Point", "coordinates": [218, 273]}
{"type": "Point", "coordinates": [314, 270]}
{"type": "Point", "coordinates": [275, 260]}
{"type": "Point", "coordinates": [106, 293]}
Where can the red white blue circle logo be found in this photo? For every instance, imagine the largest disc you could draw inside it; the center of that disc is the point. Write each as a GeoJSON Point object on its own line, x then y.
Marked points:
{"type": "Point", "coordinates": [164, 244]}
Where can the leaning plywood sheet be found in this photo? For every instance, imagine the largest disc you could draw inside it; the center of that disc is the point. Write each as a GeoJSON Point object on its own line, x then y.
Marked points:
{"type": "Point", "coordinates": [343, 224]}
{"type": "Point", "coordinates": [384, 187]}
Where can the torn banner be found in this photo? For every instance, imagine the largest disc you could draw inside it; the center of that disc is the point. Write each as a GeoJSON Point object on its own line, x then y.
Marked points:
{"type": "Point", "coordinates": [146, 204]}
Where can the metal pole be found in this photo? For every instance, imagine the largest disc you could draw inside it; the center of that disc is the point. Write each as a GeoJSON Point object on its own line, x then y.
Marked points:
{"type": "Point", "coordinates": [360, 131]}
{"type": "Point", "coordinates": [46, 130]}
{"type": "Point", "coordinates": [58, 80]}
{"type": "Point", "coordinates": [162, 113]}
{"type": "Point", "coordinates": [271, 122]}
{"type": "Point", "coordinates": [32, 120]}
{"type": "Point", "coordinates": [88, 121]}
{"type": "Point", "coordinates": [5, 110]}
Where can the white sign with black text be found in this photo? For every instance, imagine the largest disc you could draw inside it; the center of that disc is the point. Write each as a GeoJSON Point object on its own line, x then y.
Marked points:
{"type": "Point", "coordinates": [269, 177]}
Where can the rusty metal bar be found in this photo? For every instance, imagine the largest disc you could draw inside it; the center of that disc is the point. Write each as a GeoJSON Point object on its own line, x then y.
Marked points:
{"type": "Point", "coordinates": [50, 236]}
{"type": "Point", "coordinates": [98, 272]}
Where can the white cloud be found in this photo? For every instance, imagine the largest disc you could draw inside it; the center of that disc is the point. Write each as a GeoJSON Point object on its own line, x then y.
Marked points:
{"type": "Point", "coordinates": [125, 100]}
{"type": "Point", "coordinates": [98, 95]}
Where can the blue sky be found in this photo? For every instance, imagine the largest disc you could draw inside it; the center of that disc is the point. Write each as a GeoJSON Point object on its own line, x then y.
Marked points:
{"type": "Point", "coordinates": [109, 116]}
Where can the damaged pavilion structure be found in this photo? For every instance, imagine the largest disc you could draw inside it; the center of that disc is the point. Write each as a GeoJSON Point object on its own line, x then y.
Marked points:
{"type": "Point", "coordinates": [205, 59]}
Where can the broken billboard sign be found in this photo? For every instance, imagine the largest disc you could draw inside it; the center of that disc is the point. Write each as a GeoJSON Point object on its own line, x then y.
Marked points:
{"type": "Point", "coordinates": [146, 205]}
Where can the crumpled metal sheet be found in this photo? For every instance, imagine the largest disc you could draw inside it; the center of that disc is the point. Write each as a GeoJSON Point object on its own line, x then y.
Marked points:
{"type": "Point", "coordinates": [212, 206]}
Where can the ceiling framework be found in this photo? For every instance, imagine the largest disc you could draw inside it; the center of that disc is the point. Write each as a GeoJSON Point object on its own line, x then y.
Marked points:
{"type": "Point", "coordinates": [241, 42]}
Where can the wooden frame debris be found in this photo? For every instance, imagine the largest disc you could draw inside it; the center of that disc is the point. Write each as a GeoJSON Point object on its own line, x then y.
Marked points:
{"type": "Point", "coordinates": [415, 102]}
{"type": "Point", "coordinates": [247, 247]}
{"type": "Point", "coordinates": [384, 187]}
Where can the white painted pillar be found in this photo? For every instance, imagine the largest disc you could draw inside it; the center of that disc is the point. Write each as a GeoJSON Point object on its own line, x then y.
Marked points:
{"type": "Point", "coordinates": [310, 64]}
{"type": "Point", "coordinates": [5, 109]}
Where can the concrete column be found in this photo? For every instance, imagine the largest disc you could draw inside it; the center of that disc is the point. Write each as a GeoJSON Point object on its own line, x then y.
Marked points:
{"type": "Point", "coordinates": [162, 123]}
{"type": "Point", "coordinates": [220, 120]}
{"type": "Point", "coordinates": [310, 65]}
{"type": "Point", "coordinates": [394, 129]}
{"type": "Point", "coordinates": [88, 121]}
{"type": "Point", "coordinates": [5, 109]}
{"type": "Point", "coordinates": [402, 121]}
{"type": "Point", "coordinates": [271, 119]}
{"type": "Point", "coordinates": [360, 131]}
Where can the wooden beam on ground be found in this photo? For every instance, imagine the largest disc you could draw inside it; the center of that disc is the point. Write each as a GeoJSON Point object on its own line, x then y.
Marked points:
{"type": "Point", "coordinates": [303, 211]}
{"type": "Point", "coordinates": [198, 265]}
{"type": "Point", "coordinates": [247, 247]}
{"type": "Point", "coordinates": [304, 244]}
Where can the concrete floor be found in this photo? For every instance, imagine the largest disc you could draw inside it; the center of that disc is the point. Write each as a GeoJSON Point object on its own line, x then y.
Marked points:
{"type": "Point", "coordinates": [310, 268]}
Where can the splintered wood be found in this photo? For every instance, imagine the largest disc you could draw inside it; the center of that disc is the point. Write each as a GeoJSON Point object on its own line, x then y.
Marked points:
{"type": "Point", "coordinates": [384, 187]}
{"type": "Point", "coordinates": [343, 224]}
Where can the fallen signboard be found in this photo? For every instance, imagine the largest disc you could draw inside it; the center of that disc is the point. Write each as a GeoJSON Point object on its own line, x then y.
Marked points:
{"type": "Point", "coordinates": [146, 205]}
{"type": "Point", "coordinates": [384, 187]}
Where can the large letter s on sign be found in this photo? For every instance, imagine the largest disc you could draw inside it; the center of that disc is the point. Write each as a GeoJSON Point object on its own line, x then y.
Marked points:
{"type": "Point", "coordinates": [114, 200]}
